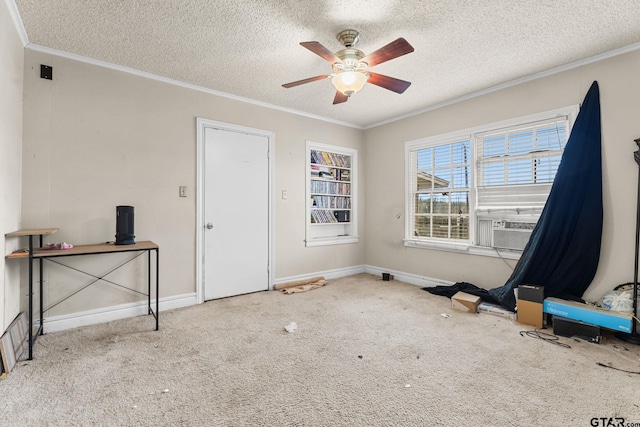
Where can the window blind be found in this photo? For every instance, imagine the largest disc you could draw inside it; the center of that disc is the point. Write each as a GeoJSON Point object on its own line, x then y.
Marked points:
{"type": "Point", "coordinates": [517, 165]}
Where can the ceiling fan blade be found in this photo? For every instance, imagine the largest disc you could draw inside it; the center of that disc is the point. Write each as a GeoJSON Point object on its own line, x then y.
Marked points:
{"type": "Point", "coordinates": [340, 98]}
{"type": "Point", "coordinates": [322, 51]}
{"type": "Point", "coordinates": [386, 53]}
{"type": "Point", "coordinates": [309, 80]}
{"type": "Point", "coordinates": [391, 83]}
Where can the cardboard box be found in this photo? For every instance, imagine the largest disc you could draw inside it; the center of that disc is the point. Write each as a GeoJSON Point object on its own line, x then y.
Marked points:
{"type": "Point", "coordinates": [530, 305]}
{"type": "Point", "coordinates": [463, 301]}
{"type": "Point", "coordinates": [614, 320]}
{"type": "Point", "coordinates": [485, 307]}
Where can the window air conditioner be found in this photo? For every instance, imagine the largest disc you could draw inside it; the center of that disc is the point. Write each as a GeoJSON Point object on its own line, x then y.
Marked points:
{"type": "Point", "coordinates": [511, 234]}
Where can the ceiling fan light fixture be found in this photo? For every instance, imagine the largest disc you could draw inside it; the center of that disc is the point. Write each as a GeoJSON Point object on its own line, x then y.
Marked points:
{"type": "Point", "coordinates": [349, 82]}
{"type": "Point", "coordinates": [351, 66]}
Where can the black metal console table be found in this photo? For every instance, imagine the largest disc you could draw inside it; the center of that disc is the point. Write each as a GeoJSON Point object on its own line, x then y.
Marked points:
{"type": "Point", "coordinates": [42, 254]}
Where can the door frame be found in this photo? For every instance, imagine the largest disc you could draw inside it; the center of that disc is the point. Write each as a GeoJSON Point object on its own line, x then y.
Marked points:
{"type": "Point", "coordinates": [201, 125]}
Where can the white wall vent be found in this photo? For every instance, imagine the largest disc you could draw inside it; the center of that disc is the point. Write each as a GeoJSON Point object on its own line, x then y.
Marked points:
{"type": "Point", "coordinates": [511, 234]}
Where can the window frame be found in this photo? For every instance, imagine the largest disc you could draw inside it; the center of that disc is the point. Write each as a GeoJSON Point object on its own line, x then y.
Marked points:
{"type": "Point", "coordinates": [432, 214]}
{"type": "Point", "coordinates": [469, 246]}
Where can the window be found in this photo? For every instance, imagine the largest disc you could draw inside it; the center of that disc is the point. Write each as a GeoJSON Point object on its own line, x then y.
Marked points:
{"type": "Point", "coordinates": [441, 180]}
{"type": "Point", "coordinates": [486, 186]}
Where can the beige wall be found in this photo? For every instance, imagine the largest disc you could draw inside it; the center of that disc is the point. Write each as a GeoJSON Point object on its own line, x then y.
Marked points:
{"type": "Point", "coordinates": [11, 58]}
{"type": "Point", "coordinates": [620, 109]}
{"type": "Point", "coordinates": [95, 138]}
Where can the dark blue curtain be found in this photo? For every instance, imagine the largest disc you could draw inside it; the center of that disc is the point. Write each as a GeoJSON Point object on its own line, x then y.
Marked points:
{"type": "Point", "coordinates": [564, 249]}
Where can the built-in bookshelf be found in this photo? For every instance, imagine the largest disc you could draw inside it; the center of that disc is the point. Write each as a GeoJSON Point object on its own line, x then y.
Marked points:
{"type": "Point", "coordinates": [331, 190]}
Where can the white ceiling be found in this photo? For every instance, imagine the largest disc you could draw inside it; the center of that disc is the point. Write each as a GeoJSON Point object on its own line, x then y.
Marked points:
{"type": "Point", "coordinates": [249, 48]}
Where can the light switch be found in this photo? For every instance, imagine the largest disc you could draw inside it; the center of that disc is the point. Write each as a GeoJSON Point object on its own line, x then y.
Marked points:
{"type": "Point", "coordinates": [183, 191]}
{"type": "Point", "coordinates": [284, 195]}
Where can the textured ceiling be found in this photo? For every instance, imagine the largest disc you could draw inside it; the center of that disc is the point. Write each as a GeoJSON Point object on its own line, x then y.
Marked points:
{"type": "Point", "coordinates": [249, 48]}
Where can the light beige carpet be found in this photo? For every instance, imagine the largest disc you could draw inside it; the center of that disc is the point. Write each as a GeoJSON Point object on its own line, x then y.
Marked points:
{"type": "Point", "coordinates": [365, 353]}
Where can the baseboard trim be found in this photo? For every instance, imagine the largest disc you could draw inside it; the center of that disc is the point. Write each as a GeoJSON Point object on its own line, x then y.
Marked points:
{"type": "Point", "coordinates": [327, 274]}
{"type": "Point", "coordinates": [92, 317]}
{"type": "Point", "coordinates": [413, 279]}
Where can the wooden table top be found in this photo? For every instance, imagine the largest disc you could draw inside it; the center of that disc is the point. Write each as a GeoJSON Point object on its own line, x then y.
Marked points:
{"type": "Point", "coordinates": [98, 248]}
{"type": "Point", "coordinates": [32, 232]}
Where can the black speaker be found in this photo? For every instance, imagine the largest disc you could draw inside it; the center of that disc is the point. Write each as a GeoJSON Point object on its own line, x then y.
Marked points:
{"type": "Point", "coordinates": [575, 328]}
{"type": "Point", "coordinates": [124, 225]}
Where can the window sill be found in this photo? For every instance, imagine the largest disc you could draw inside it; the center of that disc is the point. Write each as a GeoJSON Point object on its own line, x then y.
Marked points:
{"type": "Point", "coordinates": [464, 248]}
{"type": "Point", "coordinates": [337, 240]}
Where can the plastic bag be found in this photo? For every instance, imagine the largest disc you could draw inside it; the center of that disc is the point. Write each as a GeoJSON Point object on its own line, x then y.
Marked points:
{"type": "Point", "coordinates": [618, 301]}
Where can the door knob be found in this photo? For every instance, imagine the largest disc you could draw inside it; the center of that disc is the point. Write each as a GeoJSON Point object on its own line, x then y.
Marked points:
{"type": "Point", "coordinates": [209, 226]}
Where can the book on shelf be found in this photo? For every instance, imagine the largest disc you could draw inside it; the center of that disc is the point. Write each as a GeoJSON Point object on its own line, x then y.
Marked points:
{"type": "Point", "coordinates": [327, 187]}
{"type": "Point", "coordinates": [330, 159]}
{"type": "Point", "coordinates": [314, 157]}
{"type": "Point", "coordinates": [331, 202]}
{"type": "Point", "coordinates": [327, 158]}
{"type": "Point", "coordinates": [320, 216]}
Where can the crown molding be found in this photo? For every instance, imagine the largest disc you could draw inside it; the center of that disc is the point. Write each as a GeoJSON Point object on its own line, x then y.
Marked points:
{"type": "Point", "coordinates": [104, 64]}
{"type": "Point", "coordinates": [532, 77]}
{"type": "Point", "coordinates": [17, 21]}
{"type": "Point", "coordinates": [38, 48]}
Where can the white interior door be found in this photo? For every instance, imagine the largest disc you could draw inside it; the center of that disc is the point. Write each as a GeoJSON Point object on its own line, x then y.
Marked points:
{"type": "Point", "coordinates": [236, 213]}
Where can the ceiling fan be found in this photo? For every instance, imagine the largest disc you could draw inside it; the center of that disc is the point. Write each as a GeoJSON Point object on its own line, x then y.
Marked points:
{"type": "Point", "coordinates": [351, 66]}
